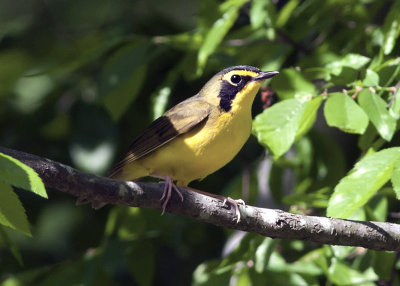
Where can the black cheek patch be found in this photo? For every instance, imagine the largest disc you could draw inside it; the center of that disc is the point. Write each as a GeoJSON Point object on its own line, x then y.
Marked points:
{"type": "Point", "coordinates": [228, 93]}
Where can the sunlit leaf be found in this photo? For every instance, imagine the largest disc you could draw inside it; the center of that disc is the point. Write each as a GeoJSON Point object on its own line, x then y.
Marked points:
{"type": "Point", "coordinates": [362, 182]}
{"type": "Point", "coordinates": [12, 213]}
{"type": "Point", "coordinates": [286, 12]}
{"type": "Point", "coordinates": [375, 107]}
{"type": "Point", "coordinates": [211, 273]}
{"type": "Point", "coordinates": [258, 14]}
{"type": "Point", "coordinates": [263, 253]}
{"type": "Point", "coordinates": [160, 97]}
{"type": "Point", "coordinates": [340, 251]}
{"type": "Point", "coordinates": [31, 92]}
{"type": "Point", "coordinates": [309, 116]}
{"type": "Point", "coordinates": [277, 126]}
{"type": "Point", "coordinates": [243, 279]}
{"type": "Point", "coordinates": [278, 264]}
{"type": "Point", "coordinates": [394, 109]}
{"type": "Point", "coordinates": [16, 173]}
{"type": "Point", "coordinates": [371, 78]}
{"type": "Point", "coordinates": [343, 112]}
{"type": "Point", "coordinates": [396, 179]}
{"type": "Point", "coordinates": [216, 34]}
{"type": "Point", "coordinates": [292, 84]}
{"type": "Point", "coordinates": [341, 274]}
{"type": "Point", "coordinates": [377, 207]}
{"type": "Point", "coordinates": [92, 146]}
{"type": "Point", "coordinates": [263, 13]}
{"type": "Point", "coordinates": [391, 28]}
{"type": "Point", "coordinates": [354, 61]}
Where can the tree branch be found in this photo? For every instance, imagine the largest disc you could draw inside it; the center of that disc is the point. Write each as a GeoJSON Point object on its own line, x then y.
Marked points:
{"type": "Point", "coordinates": [267, 222]}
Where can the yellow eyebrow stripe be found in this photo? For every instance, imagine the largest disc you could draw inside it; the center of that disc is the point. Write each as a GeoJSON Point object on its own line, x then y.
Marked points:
{"type": "Point", "coordinates": [228, 75]}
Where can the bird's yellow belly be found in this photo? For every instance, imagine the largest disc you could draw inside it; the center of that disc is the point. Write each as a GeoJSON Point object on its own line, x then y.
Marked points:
{"type": "Point", "coordinates": [200, 152]}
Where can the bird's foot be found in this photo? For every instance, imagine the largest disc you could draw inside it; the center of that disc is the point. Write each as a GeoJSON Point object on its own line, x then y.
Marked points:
{"type": "Point", "coordinates": [235, 204]}
{"type": "Point", "coordinates": [168, 187]}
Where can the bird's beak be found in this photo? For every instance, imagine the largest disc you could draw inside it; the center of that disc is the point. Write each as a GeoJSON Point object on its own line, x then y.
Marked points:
{"type": "Point", "coordinates": [265, 75]}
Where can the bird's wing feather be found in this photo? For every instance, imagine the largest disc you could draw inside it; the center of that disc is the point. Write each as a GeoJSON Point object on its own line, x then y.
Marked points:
{"type": "Point", "coordinates": [178, 120]}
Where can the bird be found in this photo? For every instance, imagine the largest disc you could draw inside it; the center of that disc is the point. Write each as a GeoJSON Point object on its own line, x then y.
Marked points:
{"type": "Point", "coordinates": [197, 136]}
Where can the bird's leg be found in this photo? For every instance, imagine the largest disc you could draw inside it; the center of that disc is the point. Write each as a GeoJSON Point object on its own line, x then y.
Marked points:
{"type": "Point", "coordinates": [167, 192]}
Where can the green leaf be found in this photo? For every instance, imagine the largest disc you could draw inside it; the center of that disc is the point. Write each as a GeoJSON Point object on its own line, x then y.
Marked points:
{"type": "Point", "coordinates": [208, 12]}
{"type": "Point", "coordinates": [366, 140]}
{"type": "Point", "coordinates": [278, 264]}
{"type": "Point", "coordinates": [382, 262]}
{"type": "Point", "coordinates": [243, 279]}
{"type": "Point", "coordinates": [263, 253]}
{"type": "Point", "coordinates": [292, 84]}
{"type": "Point", "coordinates": [341, 274]}
{"type": "Point", "coordinates": [216, 34]}
{"type": "Point", "coordinates": [340, 251]}
{"type": "Point", "coordinates": [142, 269]}
{"type": "Point", "coordinates": [11, 245]}
{"type": "Point", "coordinates": [277, 126]}
{"type": "Point", "coordinates": [12, 213]}
{"type": "Point", "coordinates": [124, 75]}
{"type": "Point", "coordinates": [92, 146]}
{"type": "Point", "coordinates": [362, 182]}
{"type": "Point", "coordinates": [377, 207]}
{"type": "Point", "coordinates": [375, 107]}
{"type": "Point", "coordinates": [118, 101]}
{"type": "Point", "coordinates": [31, 92]}
{"type": "Point", "coordinates": [258, 13]}
{"type": "Point", "coordinates": [160, 97]}
{"type": "Point", "coordinates": [391, 28]}
{"type": "Point", "coordinates": [343, 112]}
{"type": "Point", "coordinates": [309, 116]}
{"type": "Point", "coordinates": [396, 179]}
{"type": "Point", "coordinates": [347, 76]}
{"type": "Point", "coordinates": [263, 13]}
{"type": "Point", "coordinates": [354, 61]}
{"type": "Point", "coordinates": [371, 78]}
{"type": "Point", "coordinates": [211, 273]}
{"type": "Point", "coordinates": [14, 62]}
{"type": "Point", "coordinates": [394, 109]}
{"type": "Point", "coordinates": [16, 173]}
{"type": "Point", "coordinates": [286, 12]}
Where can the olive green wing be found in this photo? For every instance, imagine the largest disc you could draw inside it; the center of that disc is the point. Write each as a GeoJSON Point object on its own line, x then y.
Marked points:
{"type": "Point", "coordinates": [178, 120]}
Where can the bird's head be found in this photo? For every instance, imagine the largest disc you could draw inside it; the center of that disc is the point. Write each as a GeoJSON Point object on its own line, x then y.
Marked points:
{"type": "Point", "coordinates": [234, 86]}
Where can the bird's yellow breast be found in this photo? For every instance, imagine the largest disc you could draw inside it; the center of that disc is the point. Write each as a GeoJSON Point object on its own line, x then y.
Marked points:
{"type": "Point", "coordinates": [205, 149]}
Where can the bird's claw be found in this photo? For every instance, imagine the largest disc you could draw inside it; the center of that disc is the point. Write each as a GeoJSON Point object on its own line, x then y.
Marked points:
{"type": "Point", "coordinates": [235, 204]}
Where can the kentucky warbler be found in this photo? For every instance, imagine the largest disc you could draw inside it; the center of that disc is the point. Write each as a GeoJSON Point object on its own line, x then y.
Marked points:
{"type": "Point", "coordinates": [197, 136]}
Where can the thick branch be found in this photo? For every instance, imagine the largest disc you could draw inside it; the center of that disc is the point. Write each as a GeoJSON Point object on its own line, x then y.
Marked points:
{"type": "Point", "coordinates": [267, 222]}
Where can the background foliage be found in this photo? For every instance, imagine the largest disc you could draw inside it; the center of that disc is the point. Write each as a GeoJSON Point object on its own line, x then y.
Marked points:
{"type": "Point", "coordinates": [79, 80]}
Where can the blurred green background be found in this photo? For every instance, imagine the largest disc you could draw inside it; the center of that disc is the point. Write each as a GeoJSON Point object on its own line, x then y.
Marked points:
{"type": "Point", "coordinates": [80, 79]}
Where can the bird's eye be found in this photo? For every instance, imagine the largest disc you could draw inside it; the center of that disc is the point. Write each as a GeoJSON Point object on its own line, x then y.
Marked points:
{"type": "Point", "coordinates": [236, 79]}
